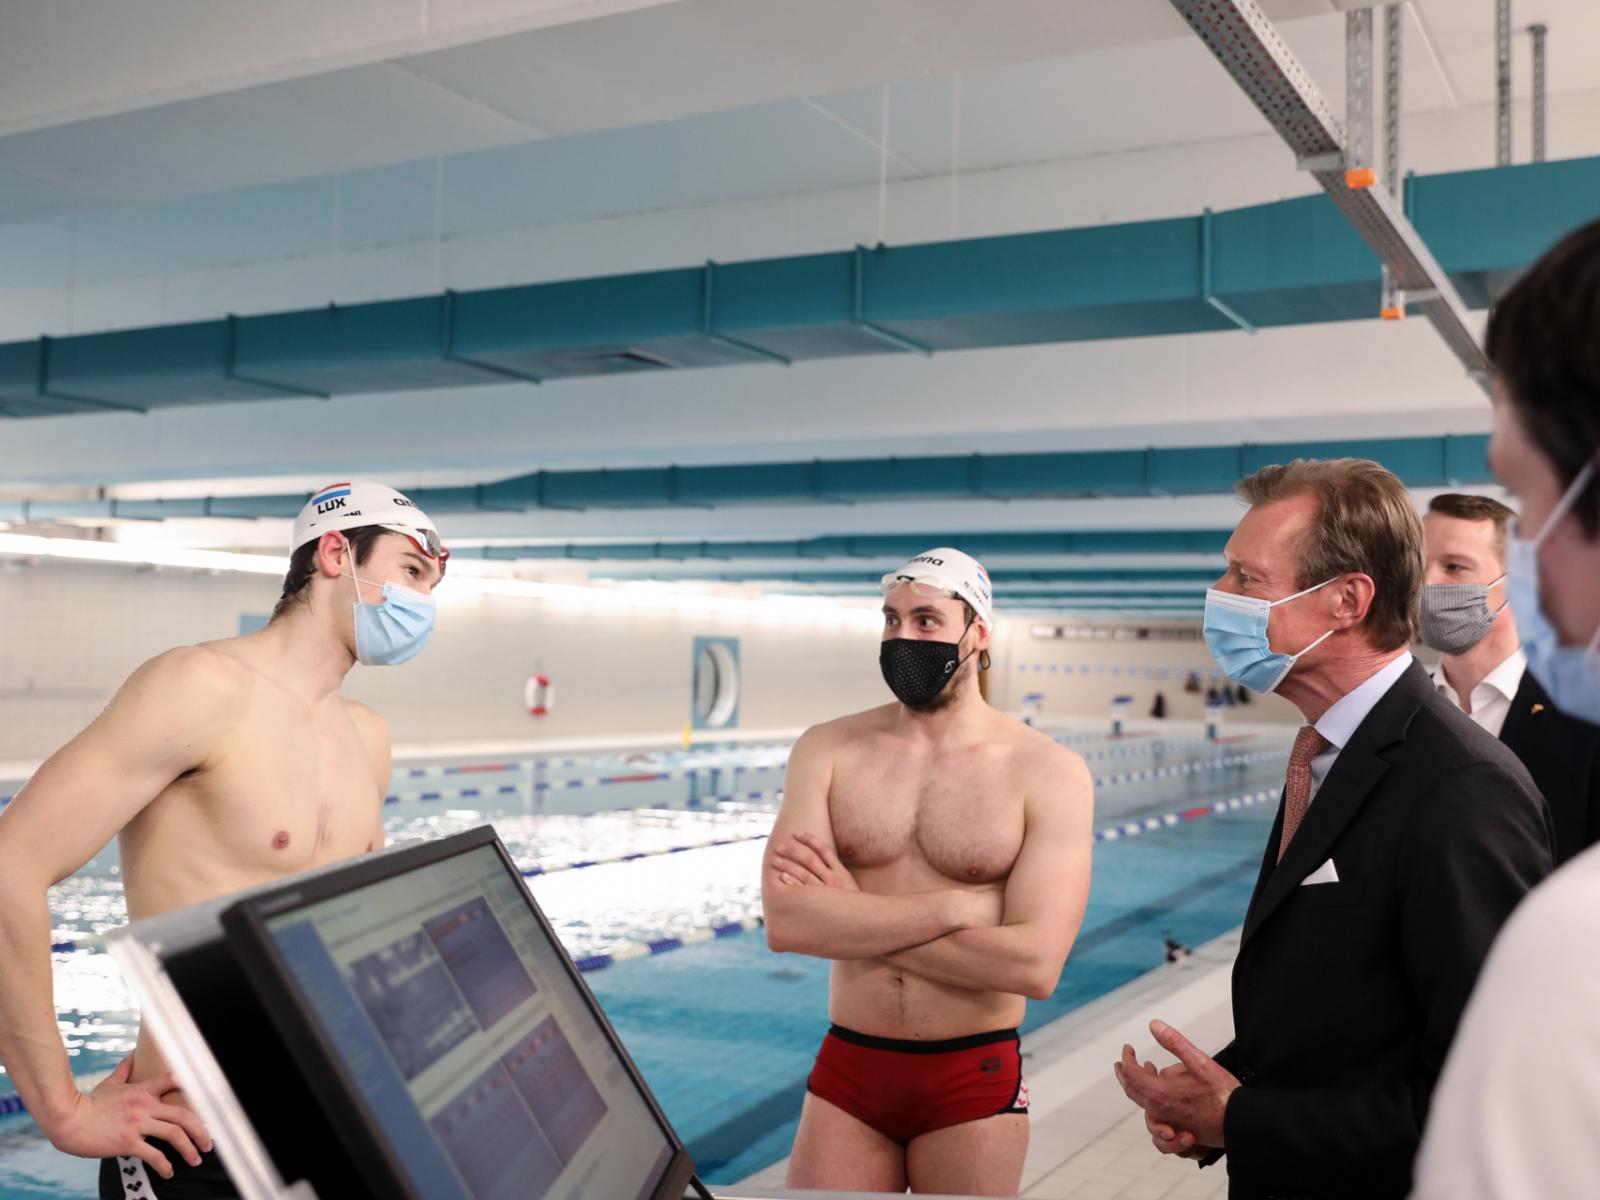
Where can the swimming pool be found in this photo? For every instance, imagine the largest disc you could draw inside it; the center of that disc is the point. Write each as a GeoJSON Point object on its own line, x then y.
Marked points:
{"type": "Point", "coordinates": [725, 1031]}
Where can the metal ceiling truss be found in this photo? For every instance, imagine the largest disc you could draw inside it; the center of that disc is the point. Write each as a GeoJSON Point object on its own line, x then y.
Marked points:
{"type": "Point", "coordinates": [1245, 42]}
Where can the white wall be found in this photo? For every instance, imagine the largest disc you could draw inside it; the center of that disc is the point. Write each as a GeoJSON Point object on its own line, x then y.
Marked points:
{"type": "Point", "coordinates": [1079, 677]}
{"type": "Point", "coordinates": [1030, 664]}
{"type": "Point", "coordinates": [70, 633]}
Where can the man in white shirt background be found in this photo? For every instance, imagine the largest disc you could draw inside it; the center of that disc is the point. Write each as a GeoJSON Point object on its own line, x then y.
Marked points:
{"type": "Point", "coordinates": [1482, 669]}
{"type": "Point", "coordinates": [1518, 1104]}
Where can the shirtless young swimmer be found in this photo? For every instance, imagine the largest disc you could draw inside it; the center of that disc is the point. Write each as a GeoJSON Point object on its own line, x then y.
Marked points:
{"type": "Point", "coordinates": [938, 852]}
{"type": "Point", "coordinates": [218, 767]}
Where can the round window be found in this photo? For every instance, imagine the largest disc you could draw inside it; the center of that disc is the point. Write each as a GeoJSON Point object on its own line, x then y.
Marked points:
{"type": "Point", "coordinates": [716, 685]}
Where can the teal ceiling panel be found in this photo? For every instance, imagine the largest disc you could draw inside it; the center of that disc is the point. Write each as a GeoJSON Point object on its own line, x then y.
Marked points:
{"type": "Point", "coordinates": [1289, 262]}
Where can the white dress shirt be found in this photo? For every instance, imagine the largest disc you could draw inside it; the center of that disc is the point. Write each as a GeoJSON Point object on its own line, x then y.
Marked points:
{"type": "Point", "coordinates": [1491, 699]}
{"type": "Point", "coordinates": [1517, 1108]}
{"type": "Point", "coordinates": [1341, 721]}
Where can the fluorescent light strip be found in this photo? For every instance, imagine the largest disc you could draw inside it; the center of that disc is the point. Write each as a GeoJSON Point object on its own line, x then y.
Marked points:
{"type": "Point", "coordinates": [630, 597]}
{"type": "Point", "coordinates": [31, 546]}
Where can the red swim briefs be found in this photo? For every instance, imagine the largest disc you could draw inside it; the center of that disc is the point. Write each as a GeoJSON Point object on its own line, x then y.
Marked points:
{"type": "Point", "coordinates": [904, 1089]}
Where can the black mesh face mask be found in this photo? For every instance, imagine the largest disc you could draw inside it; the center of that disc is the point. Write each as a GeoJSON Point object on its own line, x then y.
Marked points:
{"type": "Point", "coordinates": [917, 670]}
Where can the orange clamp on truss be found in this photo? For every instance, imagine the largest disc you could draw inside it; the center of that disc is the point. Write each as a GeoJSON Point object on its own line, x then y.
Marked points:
{"type": "Point", "coordinates": [1360, 177]}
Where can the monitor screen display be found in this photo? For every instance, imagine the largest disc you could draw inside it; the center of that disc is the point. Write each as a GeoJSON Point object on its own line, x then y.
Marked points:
{"type": "Point", "coordinates": [474, 1052]}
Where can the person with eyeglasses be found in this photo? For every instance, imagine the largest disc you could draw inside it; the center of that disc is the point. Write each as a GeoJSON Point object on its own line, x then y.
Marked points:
{"type": "Point", "coordinates": [217, 767]}
{"type": "Point", "coordinates": [1517, 1111]}
{"type": "Point", "coordinates": [1467, 618]}
{"type": "Point", "coordinates": [938, 852]}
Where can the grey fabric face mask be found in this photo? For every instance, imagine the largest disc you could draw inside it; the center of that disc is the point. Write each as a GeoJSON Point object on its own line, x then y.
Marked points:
{"type": "Point", "coordinates": [1456, 616]}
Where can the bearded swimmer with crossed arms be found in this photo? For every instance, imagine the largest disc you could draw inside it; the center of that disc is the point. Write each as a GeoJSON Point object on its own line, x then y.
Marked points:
{"type": "Point", "coordinates": [938, 852]}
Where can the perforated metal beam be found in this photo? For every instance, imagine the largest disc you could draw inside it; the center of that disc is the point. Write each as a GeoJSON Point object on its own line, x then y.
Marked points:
{"type": "Point", "coordinates": [1393, 18]}
{"type": "Point", "coordinates": [1358, 89]}
{"type": "Point", "coordinates": [1245, 42]}
{"type": "Point", "coordinates": [1537, 34]}
{"type": "Point", "coordinates": [1502, 83]}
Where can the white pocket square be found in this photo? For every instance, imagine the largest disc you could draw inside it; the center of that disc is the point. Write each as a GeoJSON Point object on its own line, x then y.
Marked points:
{"type": "Point", "coordinates": [1323, 874]}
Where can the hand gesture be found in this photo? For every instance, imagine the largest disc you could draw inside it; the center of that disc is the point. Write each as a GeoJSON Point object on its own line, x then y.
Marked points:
{"type": "Point", "coordinates": [1165, 1138]}
{"type": "Point", "coordinates": [803, 858]}
{"type": "Point", "coordinates": [1187, 1103]}
{"type": "Point", "coordinates": [117, 1116]}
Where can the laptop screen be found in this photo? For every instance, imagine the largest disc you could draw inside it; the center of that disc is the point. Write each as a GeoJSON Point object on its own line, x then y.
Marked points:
{"type": "Point", "coordinates": [476, 1055]}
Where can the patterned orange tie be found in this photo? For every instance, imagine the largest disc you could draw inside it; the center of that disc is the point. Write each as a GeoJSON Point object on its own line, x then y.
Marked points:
{"type": "Point", "coordinates": [1308, 743]}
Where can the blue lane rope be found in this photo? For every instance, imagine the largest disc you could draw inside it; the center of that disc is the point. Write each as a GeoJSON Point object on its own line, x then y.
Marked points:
{"type": "Point", "coordinates": [1146, 774]}
{"type": "Point", "coordinates": [535, 766]}
{"type": "Point", "coordinates": [1110, 833]}
{"type": "Point", "coordinates": [598, 962]}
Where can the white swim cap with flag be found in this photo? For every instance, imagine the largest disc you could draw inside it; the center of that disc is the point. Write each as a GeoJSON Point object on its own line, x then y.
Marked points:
{"type": "Point", "coordinates": [352, 505]}
{"type": "Point", "coordinates": [947, 571]}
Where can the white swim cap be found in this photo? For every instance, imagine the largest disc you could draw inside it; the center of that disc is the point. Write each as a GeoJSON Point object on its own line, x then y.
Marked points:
{"type": "Point", "coordinates": [341, 506]}
{"type": "Point", "coordinates": [951, 571]}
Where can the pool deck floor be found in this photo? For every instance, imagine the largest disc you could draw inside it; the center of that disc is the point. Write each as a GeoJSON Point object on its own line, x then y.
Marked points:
{"type": "Point", "coordinates": [1088, 1142]}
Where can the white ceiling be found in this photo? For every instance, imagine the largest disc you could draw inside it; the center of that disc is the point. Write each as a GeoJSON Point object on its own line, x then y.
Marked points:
{"type": "Point", "coordinates": [643, 67]}
{"type": "Point", "coordinates": [453, 143]}
{"type": "Point", "coordinates": [66, 62]}
{"type": "Point", "coordinates": [673, 116]}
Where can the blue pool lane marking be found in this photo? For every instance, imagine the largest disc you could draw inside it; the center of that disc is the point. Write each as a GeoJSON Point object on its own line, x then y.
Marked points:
{"type": "Point", "coordinates": [534, 872]}
{"type": "Point", "coordinates": [1110, 833]}
{"type": "Point", "coordinates": [1188, 768]}
{"type": "Point", "coordinates": [537, 765]}
{"type": "Point", "coordinates": [513, 789]}
{"type": "Point", "coordinates": [1169, 771]}
{"type": "Point", "coordinates": [598, 962]}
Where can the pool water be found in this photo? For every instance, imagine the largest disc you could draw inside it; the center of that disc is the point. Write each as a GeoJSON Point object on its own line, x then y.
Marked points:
{"type": "Point", "coordinates": [723, 1031]}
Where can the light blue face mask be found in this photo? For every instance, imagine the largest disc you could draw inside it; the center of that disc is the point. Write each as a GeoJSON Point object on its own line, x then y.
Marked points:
{"type": "Point", "coordinates": [1571, 674]}
{"type": "Point", "coordinates": [1236, 634]}
{"type": "Point", "coordinates": [394, 630]}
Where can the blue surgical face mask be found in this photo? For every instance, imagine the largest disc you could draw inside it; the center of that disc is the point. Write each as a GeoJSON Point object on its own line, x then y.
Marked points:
{"type": "Point", "coordinates": [1236, 634]}
{"type": "Point", "coordinates": [394, 630]}
{"type": "Point", "coordinates": [1571, 674]}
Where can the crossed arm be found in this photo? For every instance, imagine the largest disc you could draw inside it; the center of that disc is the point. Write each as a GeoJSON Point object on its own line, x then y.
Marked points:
{"type": "Point", "coordinates": [1044, 902]}
{"type": "Point", "coordinates": [1021, 948]}
{"type": "Point", "coordinates": [843, 922]}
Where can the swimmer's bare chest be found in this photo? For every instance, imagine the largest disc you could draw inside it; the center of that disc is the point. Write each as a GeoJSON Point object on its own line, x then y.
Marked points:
{"type": "Point", "coordinates": [902, 824]}
{"type": "Point", "coordinates": [944, 822]}
{"type": "Point", "coordinates": [287, 793]}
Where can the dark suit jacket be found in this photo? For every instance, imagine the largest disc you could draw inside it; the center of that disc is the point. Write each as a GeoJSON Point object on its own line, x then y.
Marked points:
{"type": "Point", "coordinates": [1346, 995]}
{"type": "Point", "coordinates": [1563, 756]}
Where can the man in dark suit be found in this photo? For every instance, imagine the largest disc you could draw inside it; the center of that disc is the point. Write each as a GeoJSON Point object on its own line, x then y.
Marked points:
{"type": "Point", "coordinates": [1405, 837]}
{"type": "Point", "coordinates": [1482, 668]}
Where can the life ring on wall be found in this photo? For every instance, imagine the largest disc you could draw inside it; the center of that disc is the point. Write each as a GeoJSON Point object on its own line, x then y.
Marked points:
{"type": "Point", "coordinates": [539, 695]}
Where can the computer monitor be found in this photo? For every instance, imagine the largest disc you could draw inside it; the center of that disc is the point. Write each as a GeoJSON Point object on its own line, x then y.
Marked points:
{"type": "Point", "coordinates": [447, 1035]}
